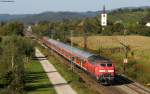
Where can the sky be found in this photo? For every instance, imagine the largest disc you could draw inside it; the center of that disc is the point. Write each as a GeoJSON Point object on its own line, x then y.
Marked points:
{"type": "Point", "coordinates": [38, 6]}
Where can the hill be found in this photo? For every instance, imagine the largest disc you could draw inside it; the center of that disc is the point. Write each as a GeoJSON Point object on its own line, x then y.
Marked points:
{"type": "Point", "coordinates": [8, 17]}
{"type": "Point", "coordinates": [121, 14]}
{"type": "Point", "coordinates": [47, 16]}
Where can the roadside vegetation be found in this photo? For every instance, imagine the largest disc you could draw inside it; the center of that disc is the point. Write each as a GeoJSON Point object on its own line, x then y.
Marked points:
{"type": "Point", "coordinates": [131, 20]}
{"type": "Point", "coordinates": [36, 80]}
{"type": "Point", "coordinates": [121, 22]}
{"type": "Point", "coordinates": [71, 77]}
{"type": "Point", "coordinates": [15, 51]}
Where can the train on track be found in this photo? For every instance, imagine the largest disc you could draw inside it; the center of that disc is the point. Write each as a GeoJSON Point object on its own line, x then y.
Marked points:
{"type": "Point", "coordinates": [102, 69]}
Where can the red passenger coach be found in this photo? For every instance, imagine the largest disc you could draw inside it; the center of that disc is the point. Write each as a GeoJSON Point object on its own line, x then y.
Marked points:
{"type": "Point", "coordinates": [101, 68]}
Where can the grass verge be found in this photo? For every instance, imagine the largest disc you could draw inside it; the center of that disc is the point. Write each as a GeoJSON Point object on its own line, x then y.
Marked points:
{"type": "Point", "coordinates": [72, 78]}
{"type": "Point", "coordinates": [36, 79]}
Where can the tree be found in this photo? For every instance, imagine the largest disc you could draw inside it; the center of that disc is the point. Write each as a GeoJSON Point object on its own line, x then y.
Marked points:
{"type": "Point", "coordinates": [118, 28]}
{"type": "Point", "coordinates": [15, 28]}
{"type": "Point", "coordinates": [14, 50]}
{"type": "Point", "coordinates": [145, 19]}
{"type": "Point", "coordinates": [41, 29]}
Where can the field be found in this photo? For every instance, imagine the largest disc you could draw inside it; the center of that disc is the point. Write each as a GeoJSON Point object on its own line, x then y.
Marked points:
{"type": "Point", "coordinates": [139, 54]}
{"type": "Point", "coordinates": [135, 42]}
{"type": "Point", "coordinates": [36, 80]}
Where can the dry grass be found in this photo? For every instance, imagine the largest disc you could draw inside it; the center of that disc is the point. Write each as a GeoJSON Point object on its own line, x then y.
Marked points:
{"type": "Point", "coordinates": [139, 44]}
{"type": "Point", "coordinates": [94, 42]}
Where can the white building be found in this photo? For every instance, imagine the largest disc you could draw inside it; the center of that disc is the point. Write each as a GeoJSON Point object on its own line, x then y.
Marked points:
{"type": "Point", "coordinates": [148, 24]}
{"type": "Point", "coordinates": [29, 29]}
{"type": "Point", "coordinates": [104, 17]}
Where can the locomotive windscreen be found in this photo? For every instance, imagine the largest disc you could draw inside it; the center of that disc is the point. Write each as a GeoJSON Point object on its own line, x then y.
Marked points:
{"type": "Point", "coordinates": [96, 58]}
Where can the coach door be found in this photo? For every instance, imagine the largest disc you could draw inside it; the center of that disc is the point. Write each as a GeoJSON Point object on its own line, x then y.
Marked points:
{"type": "Point", "coordinates": [78, 60]}
{"type": "Point", "coordinates": [83, 64]}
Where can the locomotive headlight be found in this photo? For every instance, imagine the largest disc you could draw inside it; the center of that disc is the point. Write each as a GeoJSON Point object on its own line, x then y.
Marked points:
{"type": "Point", "coordinates": [101, 70]}
{"type": "Point", "coordinates": [110, 70]}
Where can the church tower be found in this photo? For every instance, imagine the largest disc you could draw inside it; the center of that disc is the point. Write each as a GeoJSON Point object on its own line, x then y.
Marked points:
{"type": "Point", "coordinates": [104, 17]}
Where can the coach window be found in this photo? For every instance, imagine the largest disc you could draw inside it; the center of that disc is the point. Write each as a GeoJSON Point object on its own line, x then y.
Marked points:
{"type": "Point", "coordinates": [73, 58]}
{"type": "Point", "coordinates": [78, 59]}
{"type": "Point", "coordinates": [83, 61]}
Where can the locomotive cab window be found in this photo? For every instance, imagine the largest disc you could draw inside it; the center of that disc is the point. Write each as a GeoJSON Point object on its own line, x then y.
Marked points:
{"type": "Point", "coordinates": [103, 65]}
{"type": "Point", "coordinates": [109, 65]}
{"type": "Point", "coordinates": [97, 57]}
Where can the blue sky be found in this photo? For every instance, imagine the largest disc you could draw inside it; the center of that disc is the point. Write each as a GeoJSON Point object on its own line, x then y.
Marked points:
{"type": "Point", "coordinates": [38, 6]}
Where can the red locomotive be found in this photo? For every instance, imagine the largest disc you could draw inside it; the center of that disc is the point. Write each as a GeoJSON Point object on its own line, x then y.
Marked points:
{"type": "Point", "coordinates": [101, 68]}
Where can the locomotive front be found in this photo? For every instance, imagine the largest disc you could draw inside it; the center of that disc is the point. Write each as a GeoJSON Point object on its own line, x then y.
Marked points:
{"type": "Point", "coordinates": [104, 70]}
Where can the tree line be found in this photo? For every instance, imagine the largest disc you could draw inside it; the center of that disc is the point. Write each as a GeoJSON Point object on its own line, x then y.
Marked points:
{"type": "Point", "coordinates": [91, 26]}
{"type": "Point", "coordinates": [60, 30]}
{"type": "Point", "coordinates": [14, 51]}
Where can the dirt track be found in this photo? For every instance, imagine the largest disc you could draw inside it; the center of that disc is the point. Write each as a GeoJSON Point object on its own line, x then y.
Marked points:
{"type": "Point", "coordinates": [59, 83]}
{"type": "Point", "coordinates": [120, 87]}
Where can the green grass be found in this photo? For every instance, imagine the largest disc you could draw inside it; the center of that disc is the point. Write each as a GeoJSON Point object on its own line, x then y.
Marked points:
{"type": "Point", "coordinates": [36, 79]}
{"type": "Point", "coordinates": [72, 78]}
{"type": "Point", "coordinates": [128, 18]}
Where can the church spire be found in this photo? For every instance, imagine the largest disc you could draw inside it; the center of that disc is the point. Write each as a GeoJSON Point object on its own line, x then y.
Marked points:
{"type": "Point", "coordinates": [104, 9]}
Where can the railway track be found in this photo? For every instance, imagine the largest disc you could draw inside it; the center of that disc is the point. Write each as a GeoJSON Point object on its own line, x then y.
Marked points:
{"type": "Point", "coordinates": [132, 85]}
{"type": "Point", "coordinates": [122, 85]}
{"type": "Point", "coordinates": [86, 78]}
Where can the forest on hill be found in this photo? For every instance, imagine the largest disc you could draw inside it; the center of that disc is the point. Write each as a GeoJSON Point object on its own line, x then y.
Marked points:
{"type": "Point", "coordinates": [132, 21]}
{"type": "Point", "coordinates": [116, 14]}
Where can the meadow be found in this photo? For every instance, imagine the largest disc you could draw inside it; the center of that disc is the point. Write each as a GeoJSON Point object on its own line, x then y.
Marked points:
{"type": "Point", "coordinates": [138, 67]}
{"type": "Point", "coordinates": [36, 79]}
{"type": "Point", "coordinates": [94, 42]}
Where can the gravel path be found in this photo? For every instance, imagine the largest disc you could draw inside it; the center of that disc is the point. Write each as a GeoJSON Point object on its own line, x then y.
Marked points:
{"type": "Point", "coordinates": [60, 84]}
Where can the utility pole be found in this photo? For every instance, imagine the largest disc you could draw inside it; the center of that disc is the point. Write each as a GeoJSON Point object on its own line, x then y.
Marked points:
{"type": "Point", "coordinates": [85, 36]}
{"type": "Point", "coordinates": [72, 58]}
{"type": "Point", "coordinates": [85, 40]}
{"type": "Point", "coordinates": [125, 61]}
{"type": "Point", "coordinates": [12, 62]}
{"type": "Point", "coordinates": [125, 43]}
{"type": "Point", "coordinates": [52, 34]}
